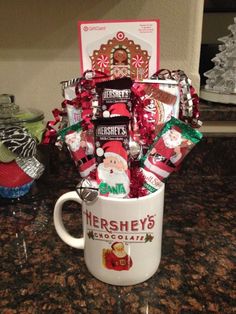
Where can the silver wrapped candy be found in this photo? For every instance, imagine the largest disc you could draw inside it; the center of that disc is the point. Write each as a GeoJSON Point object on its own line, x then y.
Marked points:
{"type": "Point", "coordinates": [135, 150]}
{"type": "Point", "coordinates": [87, 190]}
{"type": "Point", "coordinates": [31, 166]}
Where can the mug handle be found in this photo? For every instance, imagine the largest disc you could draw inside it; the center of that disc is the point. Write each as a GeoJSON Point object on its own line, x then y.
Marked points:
{"type": "Point", "coordinates": [77, 243]}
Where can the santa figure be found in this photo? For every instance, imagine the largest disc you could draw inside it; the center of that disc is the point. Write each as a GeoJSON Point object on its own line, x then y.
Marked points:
{"type": "Point", "coordinates": [117, 258]}
{"type": "Point", "coordinates": [117, 110]}
{"type": "Point", "coordinates": [167, 153]}
{"type": "Point", "coordinates": [82, 152]}
{"type": "Point", "coordinates": [112, 173]}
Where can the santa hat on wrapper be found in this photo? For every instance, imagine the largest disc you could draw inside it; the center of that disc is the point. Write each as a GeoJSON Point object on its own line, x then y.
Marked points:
{"type": "Point", "coordinates": [176, 128]}
{"type": "Point", "coordinates": [113, 149]}
{"type": "Point", "coordinates": [117, 109]}
{"type": "Point", "coordinates": [114, 244]}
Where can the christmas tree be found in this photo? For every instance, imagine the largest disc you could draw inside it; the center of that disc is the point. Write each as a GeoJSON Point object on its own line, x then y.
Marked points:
{"type": "Point", "coordinates": [221, 79]}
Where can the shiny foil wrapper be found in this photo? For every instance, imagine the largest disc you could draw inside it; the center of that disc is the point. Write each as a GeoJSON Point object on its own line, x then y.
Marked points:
{"type": "Point", "coordinates": [189, 100]}
{"type": "Point", "coordinates": [31, 166]}
{"type": "Point", "coordinates": [87, 190]}
{"type": "Point", "coordinates": [135, 150]}
{"type": "Point", "coordinates": [68, 88]}
{"type": "Point", "coordinates": [68, 83]}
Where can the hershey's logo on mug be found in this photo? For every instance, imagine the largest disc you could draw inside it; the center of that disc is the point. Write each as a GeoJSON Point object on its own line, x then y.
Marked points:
{"type": "Point", "coordinates": [134, 230]}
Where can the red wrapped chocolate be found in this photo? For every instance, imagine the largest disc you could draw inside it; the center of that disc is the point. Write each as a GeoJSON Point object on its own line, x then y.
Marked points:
{"type": "Point", "coordinates": [112, 155]}
{"type": "Point", "coordinates": [155, 101]}
{"type": "Point", "coordinates": [81, 146]}
{"type": "Point", "coordinates": [169, 149]}
{"type": "Point", "coordinates": [114, 98]}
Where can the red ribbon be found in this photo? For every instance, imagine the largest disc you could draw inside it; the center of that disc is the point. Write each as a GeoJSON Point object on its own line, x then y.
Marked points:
{"type": "Point", "coordinates": [85, 93]}
{"type": "Point", "coordinates": [50, 134]}
{"type": "Point", "coordinates": [143, 130]}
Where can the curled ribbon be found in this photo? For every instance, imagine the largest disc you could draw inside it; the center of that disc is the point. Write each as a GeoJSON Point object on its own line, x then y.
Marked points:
{"type": "Point", "coordinates": [143, 122]}
{"type": "Point", "coordinates": [51, 133]}
{"type": "Point", "coordinates": [189, 100]}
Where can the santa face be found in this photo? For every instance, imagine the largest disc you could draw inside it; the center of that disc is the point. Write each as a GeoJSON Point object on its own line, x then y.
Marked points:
{"type": "Point", "coordinates": [112, 176]}
{"type": "Point", "coordinates": [112, 164]}
{"type": "Point", "coordinates": [172, 138]}
{"type": "Point", "coordinates": [119, 249]}
{"type": "Point", "coordinates": [73, 141]}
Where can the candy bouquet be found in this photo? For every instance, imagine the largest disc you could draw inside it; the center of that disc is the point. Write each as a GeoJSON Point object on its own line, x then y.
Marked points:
{"type": "Point", "coordinates": [126, 136]}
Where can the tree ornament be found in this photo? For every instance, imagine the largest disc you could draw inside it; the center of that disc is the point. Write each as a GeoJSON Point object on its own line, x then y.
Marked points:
{"type": "Point", "coordinates": [221, 79]}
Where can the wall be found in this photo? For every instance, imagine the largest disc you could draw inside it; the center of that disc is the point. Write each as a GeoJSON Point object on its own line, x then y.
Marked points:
{"type": "Point", "coordinates": [39, 41]}
{"type": "Point", "coordinates": [215, 25]}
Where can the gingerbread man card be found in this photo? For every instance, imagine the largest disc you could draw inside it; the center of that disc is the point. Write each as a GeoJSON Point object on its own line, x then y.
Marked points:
{"type": "Point", "coordinates": [120, 48]}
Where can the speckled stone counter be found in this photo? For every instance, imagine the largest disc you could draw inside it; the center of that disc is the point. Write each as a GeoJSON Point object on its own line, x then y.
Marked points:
{"type": "Point", "coordinates": [211, 111]}
{"type": "Point", "coordinates": [41, 274]}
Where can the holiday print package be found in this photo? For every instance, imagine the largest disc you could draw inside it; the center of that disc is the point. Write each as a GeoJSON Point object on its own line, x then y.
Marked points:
{"type": "Point", "coordinates": [132, 134]}
{"type": "Point", "coordinates": [112, 147]}
{"type": "Point", "coordinates": [127, 124]}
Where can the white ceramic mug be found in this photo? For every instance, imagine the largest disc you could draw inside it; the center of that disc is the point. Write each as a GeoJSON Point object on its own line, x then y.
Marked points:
{"type": "Point", "coordinates": [122, 237]}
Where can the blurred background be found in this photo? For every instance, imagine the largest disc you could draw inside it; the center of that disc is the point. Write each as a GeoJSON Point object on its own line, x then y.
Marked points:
{"type": "Point", "coordinates": [217, 16]}
{"type": "Point", "coordinates": [39, 40]}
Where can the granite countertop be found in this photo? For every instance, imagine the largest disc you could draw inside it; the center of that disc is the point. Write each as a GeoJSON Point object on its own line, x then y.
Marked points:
{"type": "Point", "coordinates": [211, 111]}
{"type": "Point", "coordinates": [41, 274]}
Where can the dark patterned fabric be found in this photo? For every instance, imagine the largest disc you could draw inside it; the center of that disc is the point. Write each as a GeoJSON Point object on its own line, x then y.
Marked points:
{"type": "Point", "coordinates": [18, 140]}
